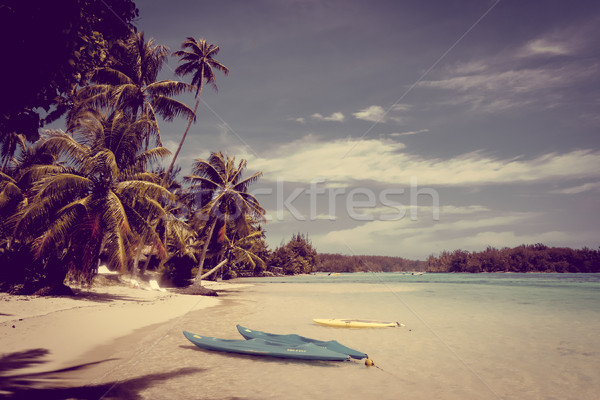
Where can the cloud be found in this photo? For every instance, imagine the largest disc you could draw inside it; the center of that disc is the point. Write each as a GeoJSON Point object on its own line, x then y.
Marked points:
{"type": "Point", "coordinates": [419, 239]}
{"type": "Point", "coordinates": [336, 116]}
{"type": "Point", "coordinates": [299, 119]}
{"type": "Point", "coordinates": [371, 113]}
{"type": "Point", "coordinates": [495, 91]}
{"type": "Point", "coordinates": [546, 47]}
{"type": "Point", "coordinates": [378, 114]}
{"type": "Point", "coordinates": [388, 162]}
{"type": "Point", "coordinates": [516, 80]}
{"type": "Point", "coordinates": [591, 186]}
{"type": "Point", "coordinates": [566, 41]}
{"type": "Point", "coordinates": [545, 72]}
{"type": "Point", "coordinates": [409, 133]}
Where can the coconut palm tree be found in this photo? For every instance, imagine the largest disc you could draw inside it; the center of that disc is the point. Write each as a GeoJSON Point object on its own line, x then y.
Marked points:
{"type": "Point", "coordinates": [15, 184]}
{"type": "Point", "coordinates": [233, 251]}
{"type": "Point", "coordinates": [130, 84]}
{"type": "Point", "coordinates": [241, 249]}
{"type": "Point", "coordinates": [90, 202]}
{"type": "Point", "coordinates": [218, 185]}
{"type": "Point", "coordinates": [198, 59]}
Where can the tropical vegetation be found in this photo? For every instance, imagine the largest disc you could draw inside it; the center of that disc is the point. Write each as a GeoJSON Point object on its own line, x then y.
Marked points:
{"type": "Point", "coordinates": [525, 258]}
{"type": "Point", "coordinates": [96, 193]}
{"type": "Point", "coordinates": [298, 256]}
{"type": "Point", "coordinates": [366, 263]}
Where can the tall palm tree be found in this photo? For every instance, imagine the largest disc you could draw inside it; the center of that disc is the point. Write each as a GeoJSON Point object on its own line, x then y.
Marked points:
{"type": "Point", "coordinates": [198, 59]}
{"type": "Point", "coordinates": [219, 186]}
{"type": "Point", "coordinates": [130, 84]}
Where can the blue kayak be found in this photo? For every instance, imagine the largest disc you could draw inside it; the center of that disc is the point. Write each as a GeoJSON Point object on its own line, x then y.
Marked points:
{"type": "Point", "coordinates": [261, 347]}
{"type": "Point", "coordinates": [296, 340]}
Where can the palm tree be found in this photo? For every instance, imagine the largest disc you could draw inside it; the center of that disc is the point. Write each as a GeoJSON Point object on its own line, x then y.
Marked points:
{"type": "Point", "coordinates": [239, 250]}
{"type": "Point", "coordinates": [15, 184]}
{"type": "Point", "coordinates": [199, 61]}
{"type": "Point", "coordinates": [234, 251]}
{"type": "Point", "coordinates": [93, 201]}
{"type": "Point", "coordinates": [219, 187]}
{"type": "Point", "coordinates": [130, 85]}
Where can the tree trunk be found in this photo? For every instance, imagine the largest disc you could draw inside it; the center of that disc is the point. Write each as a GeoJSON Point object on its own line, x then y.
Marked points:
{"type": "Point", "coordinates": [219, 265]}
{"type": "Point", "coordinates": [148, 258]}
{"type": "Point", "coordinates": [185, 133]}
{"type": "Point", "coordinates": [199, 275]}
{"type": "Point", "coordinates": [138, 254]}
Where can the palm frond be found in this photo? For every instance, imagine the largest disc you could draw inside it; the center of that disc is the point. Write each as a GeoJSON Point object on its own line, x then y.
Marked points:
{"type": "Point", "coordinates": [143, 189]}
{"type": "Point", "coordinates": [63, 145]}
{"type": "Point", "coordinates": [243, 185]}
{"type": "Point", "coordinates": [169, 108]}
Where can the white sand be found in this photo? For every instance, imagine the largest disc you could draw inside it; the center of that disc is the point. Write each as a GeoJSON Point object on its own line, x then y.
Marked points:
{"type": "Point", "coordinates": [69, 327]}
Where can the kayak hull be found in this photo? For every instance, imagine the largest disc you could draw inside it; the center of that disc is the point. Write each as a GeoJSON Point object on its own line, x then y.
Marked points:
{"type": "Point", "coordinates": [296, 340]}
{"type": "Point", "coordinates": [261, 347]}
{"type": "Point", "coordinates": [355, 323]}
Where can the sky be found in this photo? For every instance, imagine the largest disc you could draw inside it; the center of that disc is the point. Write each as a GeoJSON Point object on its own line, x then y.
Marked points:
{"type": "Point", "coordinates": [401, 128]}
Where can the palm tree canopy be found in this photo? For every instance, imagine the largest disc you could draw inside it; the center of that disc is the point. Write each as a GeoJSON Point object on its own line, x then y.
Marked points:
{"type": "Point", "coordinates": [198, 59]}
{"type": "Point", "coordinates": [130, 84]}
{"type": "Point", "coordinates": [223, 192]}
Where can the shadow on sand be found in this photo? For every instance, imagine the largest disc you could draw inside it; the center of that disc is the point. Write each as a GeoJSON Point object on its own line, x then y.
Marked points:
{"type": "Point", "coordinates": [80, 294]}
{"type": "Point", "coordinates": [46, 385]}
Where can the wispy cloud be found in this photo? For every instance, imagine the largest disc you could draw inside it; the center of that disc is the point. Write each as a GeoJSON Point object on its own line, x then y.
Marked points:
{"type": "Point", "coordinates": [379, 114]}
{"type": "Point", "coordinates": [586, 187]}
{"type": "Point", "coordinates": [544, 71]}
{"type": "Point", "coordinates": [418, 239]}
{"type": "Point", "coordinates": [408, 133]}
{"type": "Point", "coordinates": [569, 40]}
{"type": "Point", "coordinates": [336, 116]}
{"type": "Point", "coordinates": [387, 161]}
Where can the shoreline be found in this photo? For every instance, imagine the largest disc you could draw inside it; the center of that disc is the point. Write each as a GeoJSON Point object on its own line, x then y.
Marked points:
{"type": "Point", "coordinates": [40, 336]}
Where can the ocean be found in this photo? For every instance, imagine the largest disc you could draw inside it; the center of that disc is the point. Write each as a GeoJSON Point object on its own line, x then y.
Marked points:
{"type": "Point", "coordinates": [465, 336]}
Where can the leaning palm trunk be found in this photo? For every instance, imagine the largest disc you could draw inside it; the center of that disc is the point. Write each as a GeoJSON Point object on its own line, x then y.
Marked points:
{"type": "Point", "coordinates": [199, 275]}
{"type": "Point", "coordinates": [215, 269]}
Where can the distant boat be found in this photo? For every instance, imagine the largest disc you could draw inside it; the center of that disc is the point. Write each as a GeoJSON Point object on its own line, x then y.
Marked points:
{"type": "Point", "coordinates": [261, 347]}
{"type": "Point", "coordinates": [355, 323]}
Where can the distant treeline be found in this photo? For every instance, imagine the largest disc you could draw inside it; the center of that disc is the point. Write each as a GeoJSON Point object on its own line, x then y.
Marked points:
{"type": "Point", "coordinates": [524, 258]}
{"type": "Point", "coordinates": [298, 256]}
{"type": "Point", "coordinates": [342, 263]}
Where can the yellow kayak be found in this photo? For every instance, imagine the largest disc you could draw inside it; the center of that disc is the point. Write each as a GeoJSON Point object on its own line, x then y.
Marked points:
{"type": "Point", "coordinates": [355, 323]}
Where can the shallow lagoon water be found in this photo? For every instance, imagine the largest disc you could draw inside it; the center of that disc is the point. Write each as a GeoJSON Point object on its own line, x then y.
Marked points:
{"type": "Point", "coordinates": [482, 336]}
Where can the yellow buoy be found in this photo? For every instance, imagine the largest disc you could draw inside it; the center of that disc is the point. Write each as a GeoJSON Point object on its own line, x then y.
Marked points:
{"type": "Point", "coordinates": [369, 362]}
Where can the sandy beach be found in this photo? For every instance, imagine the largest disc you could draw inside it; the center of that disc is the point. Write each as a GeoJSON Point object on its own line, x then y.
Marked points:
{"type": "Point", "coordinates": [41, 338]}
{"type": "Point", "coordinates": [465, 337]}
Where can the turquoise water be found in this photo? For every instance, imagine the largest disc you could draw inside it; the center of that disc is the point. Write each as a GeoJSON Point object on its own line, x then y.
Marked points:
{"type": "Point", "coordinates": [482, 336]}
